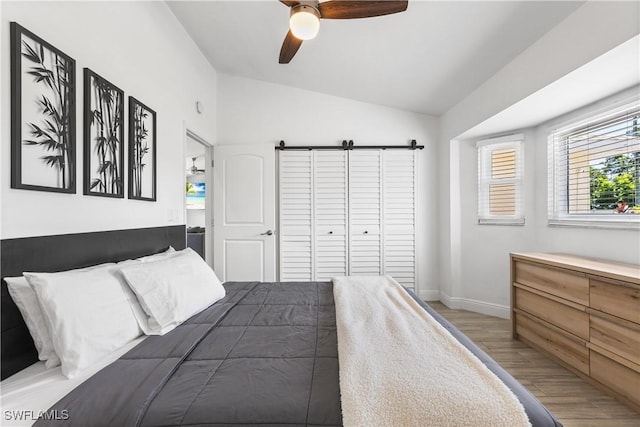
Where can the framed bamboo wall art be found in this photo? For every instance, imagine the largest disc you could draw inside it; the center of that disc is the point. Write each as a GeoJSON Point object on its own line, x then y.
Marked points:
{"type": "Point", "coordinates": [103, 137]}
{"type": "Point", "coordinates": [43, 128]}
{"type": "Point", "coordinates": [142, 151]}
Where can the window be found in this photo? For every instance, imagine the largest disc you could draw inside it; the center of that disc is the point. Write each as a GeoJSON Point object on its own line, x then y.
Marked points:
{"type": "Point", "coordinates": [500, 170]}
{"type": "Point", "coordinates": [595, 169]}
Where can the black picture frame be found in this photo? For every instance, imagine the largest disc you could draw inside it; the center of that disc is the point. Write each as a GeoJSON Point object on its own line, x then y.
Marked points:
{"type": "Point", "coordinates": [43, 114]}
{"type": "Point", "coordinates": [103, 137]}
{"type": "Point", "coordinates": [142, 151]}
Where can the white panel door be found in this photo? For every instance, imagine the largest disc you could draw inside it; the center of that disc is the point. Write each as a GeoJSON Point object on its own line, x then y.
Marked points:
{"type": "Point", "coordinates": [330, 188]}
{"type": "Point", "coordinates": [244, 212]}
{"type": "Point", "coordinates": [296, 215]}
{"type": "Point", "coordinates": [365, 209]}
{"type": "Point", "coordinates": [399, 201]}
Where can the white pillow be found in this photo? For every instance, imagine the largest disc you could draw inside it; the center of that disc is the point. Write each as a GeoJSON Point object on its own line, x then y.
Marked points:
{"type": "Point", "coordinates": [173, 289]}
{"type": "Point", "coordinates": [141, 316]}
{"type": "Point", "coordinates": [88, 314]}
{"type": "Point", "coordinates": [25, 298]}
{"type": "Point", "coordinates": [27, 302]}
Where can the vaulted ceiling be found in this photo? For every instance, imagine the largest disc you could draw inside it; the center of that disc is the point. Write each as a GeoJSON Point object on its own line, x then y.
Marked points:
{"type": "Point", "coordinates": [425, 60]}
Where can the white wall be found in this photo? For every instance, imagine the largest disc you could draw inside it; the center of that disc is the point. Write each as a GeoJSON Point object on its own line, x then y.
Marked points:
{"type": "Point", "coordinates": [251, 111]}
{"type": "Point", "coordinates": [141, 48]}
{"type": "Point", "coordinates": [473, 259]}
{"type": "Point", "coordinates": [196, 218]}
{"type": "Point", "coordinates": [484, 249]}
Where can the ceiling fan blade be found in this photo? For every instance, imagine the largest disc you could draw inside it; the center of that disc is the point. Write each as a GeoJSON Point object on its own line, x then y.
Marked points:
{"type": "Point", "coordinates": [351, 9]}
{"type": "Point", "coordinates": [289, 3]}
{"type": "Point", "coordinates": [290, 46]}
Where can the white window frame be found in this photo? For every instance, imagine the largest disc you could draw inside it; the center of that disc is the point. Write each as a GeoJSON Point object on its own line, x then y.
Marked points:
{"type": "Point", "coordinates": [485, 149]}
{"type": "Point", "coordinates": [558, 214]}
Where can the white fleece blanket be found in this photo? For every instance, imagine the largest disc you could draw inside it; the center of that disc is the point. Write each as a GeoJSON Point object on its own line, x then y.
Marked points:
{"type": "Point", "coordinates": [400, 367]}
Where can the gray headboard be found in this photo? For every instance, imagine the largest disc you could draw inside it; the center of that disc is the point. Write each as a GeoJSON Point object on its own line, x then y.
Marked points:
{"type": "Point", "coordinates": [64, 252]}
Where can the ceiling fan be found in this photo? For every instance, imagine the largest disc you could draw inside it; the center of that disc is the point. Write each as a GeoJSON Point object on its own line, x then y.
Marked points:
{"type": "Point", "coordinates": [193, 170]}
{"type": "Point", "coordinates": [304, 21]}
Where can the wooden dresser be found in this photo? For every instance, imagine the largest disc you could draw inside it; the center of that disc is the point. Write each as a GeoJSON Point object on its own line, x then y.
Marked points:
{"type": "Point", "coordinates": [585, 313]}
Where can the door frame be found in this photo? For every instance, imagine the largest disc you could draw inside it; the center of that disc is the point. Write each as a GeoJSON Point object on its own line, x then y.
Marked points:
{"type": "Point", "coordinates": [208, 179]}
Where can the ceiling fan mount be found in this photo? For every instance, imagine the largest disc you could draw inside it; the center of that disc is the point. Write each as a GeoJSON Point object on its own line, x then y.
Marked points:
{"type": "Point", "coordinates": [309, 7]}
{"type": "Point", "coordinates": [304, 18]}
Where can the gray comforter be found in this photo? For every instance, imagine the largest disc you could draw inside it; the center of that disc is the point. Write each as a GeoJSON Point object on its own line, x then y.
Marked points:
{"type": "Point", "coordinates": [264, 355]}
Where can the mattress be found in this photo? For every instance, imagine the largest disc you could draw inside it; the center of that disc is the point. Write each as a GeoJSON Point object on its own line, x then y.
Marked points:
{"type": "Point", "coordinates": [264, 355]}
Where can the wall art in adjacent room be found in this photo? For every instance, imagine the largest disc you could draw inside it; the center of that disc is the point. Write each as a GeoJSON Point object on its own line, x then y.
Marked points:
{"type": "Point", "coordinates": [103, 137]}
{"type": "Point", "coordinates": [142, 151]}
{"type": "Point", "coordinates": [43, 130]}
{"type": "Point", "coordinates": [196, 195]}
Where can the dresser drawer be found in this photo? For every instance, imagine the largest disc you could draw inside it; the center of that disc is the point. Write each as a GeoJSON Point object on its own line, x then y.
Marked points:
{"type": "Point", "coordinates": [584, 312]}
{"type": "Point", "coordinates": [618, 300]}
{"type": "Point", "coordinates": [556, 313]}
{"type": "Point", "coordinates": [571, 351]}
{"type": "Point", "coordinates": [619, 378]}
{"type": "Point", "coordinates": [563, 283]}
{"type": "Point", "coordinates": [615, 337]}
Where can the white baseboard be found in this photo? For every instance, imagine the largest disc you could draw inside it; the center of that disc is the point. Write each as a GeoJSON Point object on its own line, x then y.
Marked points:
{"type": "Point", "coordinates": [482, 307]}
{"type": "Point", "coordinates": [429, 295]}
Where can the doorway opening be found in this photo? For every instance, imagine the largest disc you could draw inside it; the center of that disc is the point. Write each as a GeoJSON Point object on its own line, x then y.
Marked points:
{"type": "Point", "coordinates": [198, 195]}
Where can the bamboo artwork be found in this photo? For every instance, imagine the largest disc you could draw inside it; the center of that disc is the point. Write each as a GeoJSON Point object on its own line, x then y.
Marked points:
{"type": "Point", "coordinates": [42, 115]}
{"type": "Point", "coordinates": [142, 151]}
{"type": "Point", "coordinates": [103, 137]}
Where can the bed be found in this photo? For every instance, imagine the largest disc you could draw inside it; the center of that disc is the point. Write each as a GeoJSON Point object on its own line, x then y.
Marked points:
{"type": "Point", "coordinates": [266, 354]}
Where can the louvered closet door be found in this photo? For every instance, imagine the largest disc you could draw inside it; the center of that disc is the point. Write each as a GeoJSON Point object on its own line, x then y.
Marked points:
{"type": "Point", "coordinates": [348, 213]}
{"type": "Point", "coordinates": [399, 195]}
{"type": "Point", "coordinates": [330, 211]}
{"type": "Point", "coordinates": [365, 203]}
{"type": "Point", "coordinates": [296, 219]}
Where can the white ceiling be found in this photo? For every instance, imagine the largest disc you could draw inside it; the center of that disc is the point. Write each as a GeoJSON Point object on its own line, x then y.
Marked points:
{"type": "Point", "coordinates": [610, 73]}
{"type": "Point", "coordinates": [425, 60]}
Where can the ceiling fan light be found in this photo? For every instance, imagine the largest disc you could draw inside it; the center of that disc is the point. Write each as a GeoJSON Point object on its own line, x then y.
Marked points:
{"type": "Point", "coordinates": [304, 22]}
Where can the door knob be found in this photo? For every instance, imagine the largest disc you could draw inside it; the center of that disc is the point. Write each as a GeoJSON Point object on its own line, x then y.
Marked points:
{"type": "Point", "coordinates": [366, 232]}
{"type": "Point", "coordinates": [267, 233]}
{"type": "Point", "coordinates": [331, 232]}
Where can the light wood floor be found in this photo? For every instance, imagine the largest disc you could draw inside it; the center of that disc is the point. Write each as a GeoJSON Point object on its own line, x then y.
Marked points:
{"type": "Point", "coordinates": [573, 401]}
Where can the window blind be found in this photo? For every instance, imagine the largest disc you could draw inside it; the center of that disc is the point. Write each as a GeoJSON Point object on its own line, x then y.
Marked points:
{"type": "Point", "coordinates": [595, 167]}
{"type": "Point", "coordinates": [500, 170]}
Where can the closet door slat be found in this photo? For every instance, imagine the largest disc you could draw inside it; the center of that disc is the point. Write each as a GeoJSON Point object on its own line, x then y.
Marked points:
{"type": "Point", "coordinates": [331, 213]}
{"type": "Point", "coordinates": [399, 195]}
{"type": "Point", "coordinates": [296, 216]}
{"type": "Point", "coordinates": [365, 202]}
